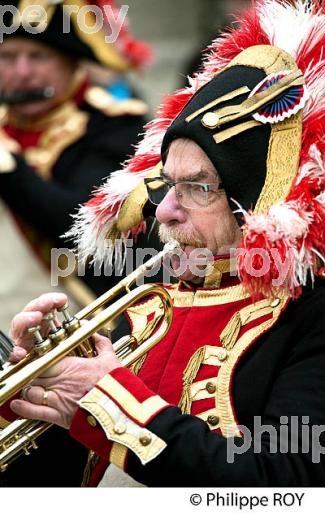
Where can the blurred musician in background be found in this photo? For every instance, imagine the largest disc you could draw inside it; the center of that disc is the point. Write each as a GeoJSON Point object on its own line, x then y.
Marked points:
{"type": "Point", "coordinates": [60, 136]}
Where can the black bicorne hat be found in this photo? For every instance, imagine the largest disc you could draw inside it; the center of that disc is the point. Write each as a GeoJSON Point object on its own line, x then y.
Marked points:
{"type": "Point", "coordinates": [241, 169]}
{"type": "Point", "coordinates": [57, 24]}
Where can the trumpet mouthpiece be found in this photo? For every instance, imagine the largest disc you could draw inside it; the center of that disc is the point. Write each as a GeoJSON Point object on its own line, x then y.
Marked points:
{"type": "Point", "coordinates": [171, 246]}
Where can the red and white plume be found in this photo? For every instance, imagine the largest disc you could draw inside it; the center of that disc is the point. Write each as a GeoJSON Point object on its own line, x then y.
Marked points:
{"type": "Point", "coordinates": [293, 228]}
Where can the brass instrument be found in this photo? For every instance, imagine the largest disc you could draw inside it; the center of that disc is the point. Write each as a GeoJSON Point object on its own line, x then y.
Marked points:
{"type": "Point", "coordinates": [6, 347]}
{"type": "Point", "coordinates": [27, 96]}
{"type": "Point", "coordinates": [74, 337]}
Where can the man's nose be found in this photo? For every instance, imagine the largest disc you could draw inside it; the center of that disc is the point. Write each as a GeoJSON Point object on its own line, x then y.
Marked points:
{"type": "Point", "coordinates": [23, 67]}
{"type": "Point", "coordinates": [170, 210]}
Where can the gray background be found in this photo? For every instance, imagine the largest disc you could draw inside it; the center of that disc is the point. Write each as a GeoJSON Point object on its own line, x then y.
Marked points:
{"type": "Point", "coordinates": [176, 29]}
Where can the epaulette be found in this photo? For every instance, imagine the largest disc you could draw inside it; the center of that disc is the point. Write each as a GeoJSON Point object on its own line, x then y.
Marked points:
{"type": "Point", "coordinates": [99, 98]}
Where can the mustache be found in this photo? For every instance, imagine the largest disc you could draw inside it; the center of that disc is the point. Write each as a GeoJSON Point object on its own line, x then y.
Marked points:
{"type": "Point", "coordinates": [166, 233]}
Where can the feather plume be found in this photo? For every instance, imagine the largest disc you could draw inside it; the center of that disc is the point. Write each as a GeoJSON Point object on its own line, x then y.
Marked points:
{"type": "Point", "coordinates": [293, 228]}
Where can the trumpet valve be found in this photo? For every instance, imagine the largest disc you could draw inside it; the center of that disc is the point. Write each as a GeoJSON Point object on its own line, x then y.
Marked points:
{"type": "Point", "coordinates": [36, 331]}
{"type": "Point", "coordinates": [56, 333]}
{"type": "Point", "coordinates": [50, 317]}
{"type": "Point", "coordinates": [70, 323]}
{"type": "Point", "coordinates": [65, 312]}
{"type": "Point", "coordinates": [42, 345]}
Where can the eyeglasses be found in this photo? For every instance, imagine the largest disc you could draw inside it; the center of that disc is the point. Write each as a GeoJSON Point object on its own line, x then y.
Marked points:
{"type": "Point", "coordinates": [191, 195]}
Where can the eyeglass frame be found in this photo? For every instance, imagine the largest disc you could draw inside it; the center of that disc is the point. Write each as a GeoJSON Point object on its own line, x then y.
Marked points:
{"type": "Point", "coordinates": [172, 184]}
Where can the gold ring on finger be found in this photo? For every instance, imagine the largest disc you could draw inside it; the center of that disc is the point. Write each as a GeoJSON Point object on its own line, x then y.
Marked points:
{"type": "Point", "coordinates": [45, 398]}
{"type": "Point", "coordinates": [24, 392]}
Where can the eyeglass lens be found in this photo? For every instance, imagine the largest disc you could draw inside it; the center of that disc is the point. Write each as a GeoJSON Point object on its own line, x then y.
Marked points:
{"type": "Point", "coordinates": [189, 194]}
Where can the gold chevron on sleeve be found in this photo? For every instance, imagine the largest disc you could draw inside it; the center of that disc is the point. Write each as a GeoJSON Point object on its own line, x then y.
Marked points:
{"type": "Point", "coordinates": [118, 455]}
{"type": "Point", "coordinates": [141, 412]}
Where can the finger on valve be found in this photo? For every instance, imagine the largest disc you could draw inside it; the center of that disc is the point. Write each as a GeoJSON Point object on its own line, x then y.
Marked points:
{"type": "Point", "coordinates": [47, 302]}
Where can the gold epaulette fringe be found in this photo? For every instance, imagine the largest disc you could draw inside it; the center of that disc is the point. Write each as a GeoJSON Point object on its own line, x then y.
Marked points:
{"type": "Point", "coordinates": [99, 98]}
{"type": "Point", "coordinates": [136, 367]}
{"type": "Point", "coordinates": [189, 375]}
{"type": "Point", "coordinates": [230, 333]}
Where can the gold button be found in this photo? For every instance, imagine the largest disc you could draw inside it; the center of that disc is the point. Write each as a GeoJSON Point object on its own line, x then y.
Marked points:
{"type": "Point", "coordinates": [119, 428]}
{"type": "Point", "coordinates": [275, 302]}
{"type": "Point", "coordinates": [210, 120]}
{"type": "Point", "coordinates": [222, 354]}
{"type": "Point", "coordinates": [213, 420]}
{"type": "Point", "coordinates": [145, 439]}
{"type": "Point", "coordinates": [91, 420]}
{"type": "Point", "coordinates": [210, 387]}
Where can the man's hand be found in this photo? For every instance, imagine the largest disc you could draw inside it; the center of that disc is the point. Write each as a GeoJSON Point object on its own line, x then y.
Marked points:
{"type": "Point", "coordinates": [53, 396]}
{"type": "Point", "coordinates": [31, 316]}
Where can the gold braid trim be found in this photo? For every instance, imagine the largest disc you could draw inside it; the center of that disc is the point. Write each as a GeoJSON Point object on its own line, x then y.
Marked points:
{"type": "Point", "coordinates": [226, 97]}
{"type": "Point", "coordinates": [228, 425]}
{"type": "Point", "coordinates": [282, 162]}
{"type": "Point", "coordinates": [228, 338]}
{"type": "Point", "coordinates": [105, 52]}
{"type": "Point", "coordinates": [57, 138]}
{"type": "Point", "coordinates": [136, 367]}
{"type": "Point", "coordinates": [285, 140]}
{"type": "Point", "coordinates": [235, 130]}
{"type": "Point", "coordinates": [118, 451]}
{"type": "Point", "coordinates": [230, 333]}
{"type": "Point", "coordinates": [99, 98]}
{"type": "Point", "coordinates": [252, 312]}
{"type": "Point", "coordinates": [140, 328]}
{"type": "Point", "coordinates": [208, 297]}
{"type": "Point", "coordinates": [118, 455]}
{"type": "Point", "coordinates": [189, 375]}
{"type": "Point", "coordinates": [131, 211]}
{"type": "Point", "coordinates": [229, 114]}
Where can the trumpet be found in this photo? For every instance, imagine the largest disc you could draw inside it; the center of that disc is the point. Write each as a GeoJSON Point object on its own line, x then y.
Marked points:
{"type": "Point", "coordinates": [75, 338]}
{"type": "Point", "coordinates": [30, 96]}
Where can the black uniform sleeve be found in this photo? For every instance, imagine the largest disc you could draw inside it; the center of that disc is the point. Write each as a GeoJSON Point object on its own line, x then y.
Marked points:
{"type": "Point", "coordinates": [292, 456]}
{"type": "Point", "coordinates": [47, 205]}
